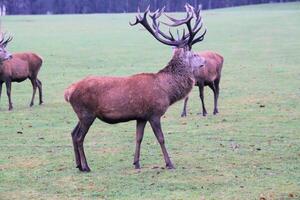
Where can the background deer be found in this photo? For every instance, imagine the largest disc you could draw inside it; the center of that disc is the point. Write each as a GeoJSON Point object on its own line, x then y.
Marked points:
{"type": "Point", "coordinates": [17, 68]}
{"type": "Point", "coordinates": [142, 97]}
{"type": "Point", "coordinates": [208, 75]}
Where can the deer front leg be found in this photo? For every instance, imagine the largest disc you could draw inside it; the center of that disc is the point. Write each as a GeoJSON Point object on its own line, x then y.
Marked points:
{"type": "Point", "coordinates": [183, 114]}
{"type": "Point", "coordinates": [156, 126]}
{"type": "Point", "coordinates": [8, 92]}
{"type": "Point", "coordinates": [140, 126]}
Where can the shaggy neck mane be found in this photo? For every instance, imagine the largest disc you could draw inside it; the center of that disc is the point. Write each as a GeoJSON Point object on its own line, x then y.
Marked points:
{"type": "Point", "coordinates": [176, 66]}
{"type": "Point", "coordinates": [178, 79]}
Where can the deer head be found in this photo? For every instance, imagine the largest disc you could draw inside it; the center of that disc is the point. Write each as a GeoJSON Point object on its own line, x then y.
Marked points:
{"type": "Point", "coordinates": [183, 43]}
{"type": "Point", "coordinates": [4, 54]}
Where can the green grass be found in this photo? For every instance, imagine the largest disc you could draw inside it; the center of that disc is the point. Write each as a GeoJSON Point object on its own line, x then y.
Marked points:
{"type": "Point", "coordinates": [261, 48]}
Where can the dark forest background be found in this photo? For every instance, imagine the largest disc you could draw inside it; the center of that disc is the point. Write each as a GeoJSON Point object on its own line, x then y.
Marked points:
{"type": "Point", "coordinates": [113, 6]}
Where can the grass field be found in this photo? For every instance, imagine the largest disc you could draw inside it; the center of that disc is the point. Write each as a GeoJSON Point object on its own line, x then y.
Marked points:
{"type": "Point", "coordinates": [250, 150]}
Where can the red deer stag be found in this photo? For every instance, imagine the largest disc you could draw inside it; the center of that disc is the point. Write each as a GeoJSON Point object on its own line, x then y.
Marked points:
{"type": "Point", "coordinates": [142, 97]}
{"type": "Point", "coordinates": [17, 68]}
{"type": "Point", "coordinates": [208, 75]}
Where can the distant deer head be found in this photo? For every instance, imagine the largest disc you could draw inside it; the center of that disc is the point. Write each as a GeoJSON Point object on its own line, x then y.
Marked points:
{"type": "Point", "coordinates": [4, 54]}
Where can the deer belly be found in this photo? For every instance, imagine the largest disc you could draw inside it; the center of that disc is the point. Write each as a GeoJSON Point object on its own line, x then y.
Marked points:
{"type": "Point", "coordinates": [123, 114]}
{"type": "Point", "coordinates": [19, 74]}
{"type": "Point", "coordinates": [19, 79]}
{"type": "Point", "coordinates": [110, 120]}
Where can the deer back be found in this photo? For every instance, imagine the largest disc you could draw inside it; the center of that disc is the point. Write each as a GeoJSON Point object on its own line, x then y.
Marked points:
{"type": "Point", "coordinates": [212, 68]}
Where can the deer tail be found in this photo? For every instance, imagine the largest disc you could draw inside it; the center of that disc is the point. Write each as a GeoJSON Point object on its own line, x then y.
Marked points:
{"type": "Point", "coordinates": [69, 91]}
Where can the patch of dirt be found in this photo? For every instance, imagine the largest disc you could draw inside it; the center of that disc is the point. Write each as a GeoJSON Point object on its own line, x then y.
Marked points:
{"type": "Point", "coordinates": [26, 194]}
{"type": "Point", "coordinates": [274, 196]}
{"type": "Point", "coordinates": [23, 163]}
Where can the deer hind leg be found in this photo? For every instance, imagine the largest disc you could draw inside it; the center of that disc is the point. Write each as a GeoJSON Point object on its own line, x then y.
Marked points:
{"type": "Point", "coordinates": [156, 127]}
{"type": "Point", "coordinates": [76, 152]}
{"type": "Point", "coordinates": [201, 94]}
{"type": "Point", "coordinates": [140, 126]}
{"type": "Point", "coordinates": [8, 92]}
{"type": "Point", "coordinates": [39, 85]}
{"type": "Point", "coordinates": [83, 128]}
{"type": "Point", "coordinates": [34, 86]}
{"type": "Point", "coordinates": [183, 114]}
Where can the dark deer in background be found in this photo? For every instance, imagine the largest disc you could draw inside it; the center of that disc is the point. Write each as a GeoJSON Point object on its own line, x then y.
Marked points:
{"type": "Point", "coordinates": [142, 97]}
{"type": "Point", "coordinates": [208, 75]}
{"type": "Point", "coordinates": [17, 68]}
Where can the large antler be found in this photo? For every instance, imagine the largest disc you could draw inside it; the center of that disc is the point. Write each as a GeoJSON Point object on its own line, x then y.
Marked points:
{"type": "Point", "coordinates": [193, 31]}
{"type": "Point", "coordinates": [186, 40]}
{"type": "Point", "coordinates": [155, 31]}
{"type": "Point", "coordinates": [3, 41]}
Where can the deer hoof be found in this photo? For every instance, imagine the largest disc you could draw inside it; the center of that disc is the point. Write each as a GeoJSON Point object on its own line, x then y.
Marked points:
{"type": "Point", "coordinates": [79, 167]}
{"type": "Point", "coordinates": [85, 169]}
{"type": "Point", "coordinates": [183, 115]}
{"type": "Point", "coordinates": [137, 165]}
{"type": "Point", "coordinates": [31, 104]}
{"type": "Point", "coordinates": [216, 112]}
{"type": "Point", "coordinates": [203, 114]}
{"type": "Point", "coordinates": [170, 166]}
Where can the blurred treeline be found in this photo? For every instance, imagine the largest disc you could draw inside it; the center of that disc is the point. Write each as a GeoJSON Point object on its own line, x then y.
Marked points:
{"type": "Point", "coordinates": [113, 6]}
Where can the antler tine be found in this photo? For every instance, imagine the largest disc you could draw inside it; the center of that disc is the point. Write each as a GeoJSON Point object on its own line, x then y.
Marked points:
{"type": "Point", "coordinates": [178, 35]}
{"type": "Point", "coordinates": [155, 25]}
{"type": "Point", "coordinates": [135, 23]}
{"type": "Point", "coordinates": [168, 37]}
{"type": "Point", "coordinates": [2, 37]}
{"type": "Point", "coordinates": [158, 13]}
{"type": "Point", "coordinates": [10, 38]}
{"type": "Point", "coordinates": [189, 8]}
{"type": "Point", "coordinates": [196, 13]}
{"type": "Point", "coordinates": [183, 35]}
{"type": "Point", "coordinates": [198, 10]}
{"type": "Point", "coordinates": [171, 34]}
{"type": "Point", "coordinates": [200, 38]}
{"type": "Point", "coordinates": [180, 21]}
{"type": "Point", "coordinates": [139, 18]}
{"type": "Point", "coordinates": [4, 41]}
